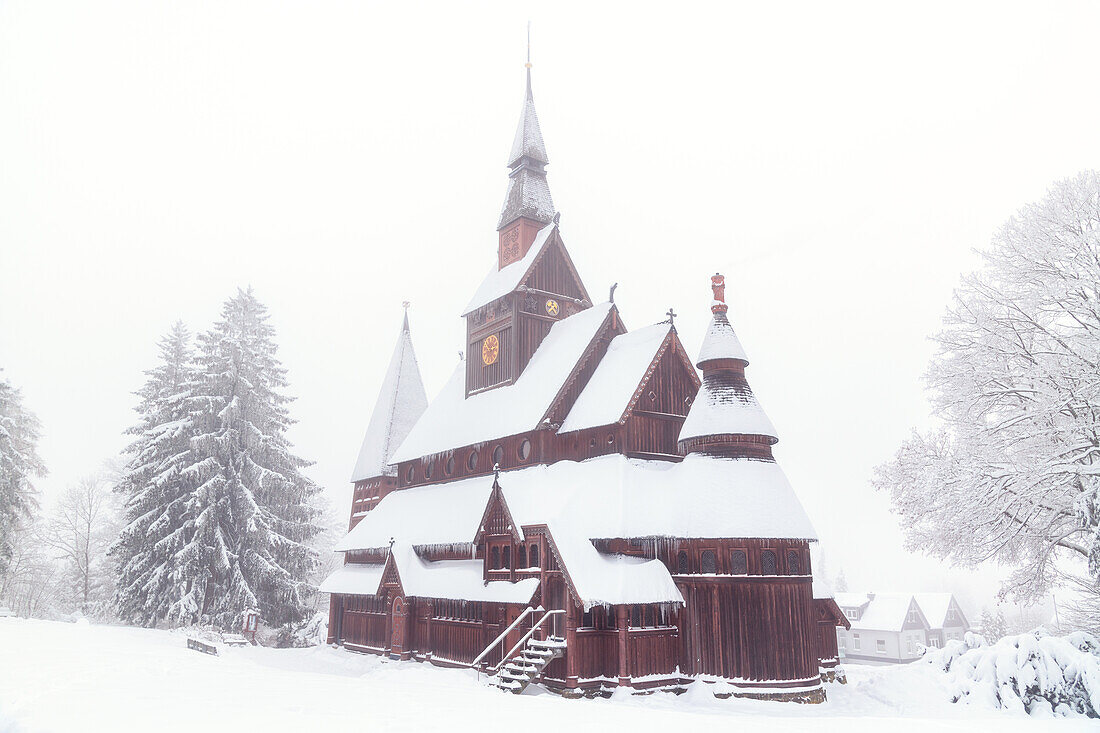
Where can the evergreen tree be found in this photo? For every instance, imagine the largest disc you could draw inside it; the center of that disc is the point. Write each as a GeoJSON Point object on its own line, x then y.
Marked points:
{"type": "Point", "coordinates": [154, 489]}
{"type": "Point", "coordinates": [250, 515]}
{"type": "Point", "coordinates": [19, 463]}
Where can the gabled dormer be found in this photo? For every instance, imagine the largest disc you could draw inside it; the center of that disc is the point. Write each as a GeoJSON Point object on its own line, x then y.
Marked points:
{"type": "Point", "coordinates": [534, 282]}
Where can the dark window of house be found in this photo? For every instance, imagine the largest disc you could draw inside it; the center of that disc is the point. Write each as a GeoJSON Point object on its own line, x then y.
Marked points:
{"type": "Point", "coordinates": [709, 562]}
{"type": "Point", "coordinates": [586, 619]}
{"type": "Point", "coordinates": [525, 450]}
{"type": "Point", "coordinates": [682, 563]}
{"type": "Point", "coordinates": [507, 558]}
{"type": "Point", "coordinates": [739, 562]}
{"type": "Point", "coordinates": [495, 554]}
{"type": "Point", "coordinates": [636, 616]}
{"type": "Point", "coordinates": [521, 556]}
{"type": "Point", "coordinates": [650, 620]}
{"type": "Point", "coordinates": [498, 455]}
{"type": "Point", "coordinates": [534, 556]}
{"type": "Point", "coordinates": [449, 468]}
{"type": "Point", "coordinates": [767, 562]}
{"type": "Point", "coordinates": [793, 567]}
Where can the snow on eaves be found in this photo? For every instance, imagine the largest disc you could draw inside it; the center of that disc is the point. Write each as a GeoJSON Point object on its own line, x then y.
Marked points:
{"type": "Point", "coordinates": [457, 579]}
{"type": "Point", "coordinates": [355, 579]}
{"type": "Point", "coordinates": [612, 579]}
{"type": "Point", "coordinates": [401, 402]}
{"type": "Point", "coordinates": [500, 282]}
{"type": "Point", "coordinates": [721, 342]}
{"type": "Point", "coordinates": [441, 514]}
{"type": "Point", "coordinates": [453, 420]}
{"type": "Point", "coordinates": [608, 393]}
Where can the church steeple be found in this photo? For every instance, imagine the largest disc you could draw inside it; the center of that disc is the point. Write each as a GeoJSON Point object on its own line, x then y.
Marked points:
{"type": "Point", "coordinates": [527, 203]}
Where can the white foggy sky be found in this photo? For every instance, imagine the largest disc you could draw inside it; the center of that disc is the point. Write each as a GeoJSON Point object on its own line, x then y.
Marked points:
{"type": "Point", "coordinates": [837, 163]}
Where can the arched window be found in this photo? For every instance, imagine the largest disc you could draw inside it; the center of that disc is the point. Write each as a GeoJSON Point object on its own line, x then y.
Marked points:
{"type": "Point", "coordinates": [709, 562]}
{"type": "Point", "coordinates": [495, 558]}
{"type": "Point", "coordinates": [507, 558]}
{"type": "Point", "coordinates": [793, 567]}
{"type": "Point", "coordinates": [682, 563]}
{"type": "Point", "coordinates": [739, 562]}
{"type": "Point", "coordinates": [498, 455]}
{"type": "Point", "coordinates": [534, 556]}
{"type": "Point", "coordinates": [521, 556]}
{"type": "Point", "coordinates": [767, 563]}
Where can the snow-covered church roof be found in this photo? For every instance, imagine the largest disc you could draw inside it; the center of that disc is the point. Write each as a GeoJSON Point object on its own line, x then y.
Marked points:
{"type": "Point", "coordinates": [602, 498]}
{"type": "Point", "coordinates": [454, 420]}
{"type": "Point", "coordinates": [500, 282]}
{"type": "Point", "coordinates": [401, 402]}
{"type": "Point", "coordinates": [613, 386]}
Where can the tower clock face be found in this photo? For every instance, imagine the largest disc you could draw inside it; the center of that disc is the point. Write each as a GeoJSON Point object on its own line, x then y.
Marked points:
{"type": "Point", "coordinates": [490, 350]}
{"type": "Point", "coordinates": [552, 307]}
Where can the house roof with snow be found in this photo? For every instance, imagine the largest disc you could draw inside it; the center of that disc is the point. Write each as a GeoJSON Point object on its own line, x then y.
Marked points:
{"type": "Point", "coordinates": [881, 611]}
{"type": "Point", "coordinates": [454, 420]}
{"type": "Point", "coordinates": [401, 402]}
{"type": "Point", "coordinates": [935, 607]}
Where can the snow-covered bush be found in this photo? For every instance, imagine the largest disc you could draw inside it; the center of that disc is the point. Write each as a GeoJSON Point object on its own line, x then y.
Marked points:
{"type": "Point", "coordinates": [1041, 674]}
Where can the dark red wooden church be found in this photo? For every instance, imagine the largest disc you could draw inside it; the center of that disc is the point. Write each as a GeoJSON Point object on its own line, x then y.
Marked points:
{"type": "Point", "coordinates": [578, 507]}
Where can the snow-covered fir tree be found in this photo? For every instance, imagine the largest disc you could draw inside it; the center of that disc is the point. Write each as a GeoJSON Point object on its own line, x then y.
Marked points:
{"type": "Point", "coordinates": [156, 494]}
{"type": "Point", "coordinates": [19, 465]}
{"type": "Point", "coordinates": [250, 514]}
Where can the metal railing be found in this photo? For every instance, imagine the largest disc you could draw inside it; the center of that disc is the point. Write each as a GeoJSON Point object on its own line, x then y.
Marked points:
{"type": "Point", "coordinates": [526, 636]}
{"type": "Point", "coordinates": [526, 612]}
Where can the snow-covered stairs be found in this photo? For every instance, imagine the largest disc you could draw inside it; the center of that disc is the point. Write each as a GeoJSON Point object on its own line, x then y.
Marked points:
{"type": "Point", "coordinates": [521, 670]}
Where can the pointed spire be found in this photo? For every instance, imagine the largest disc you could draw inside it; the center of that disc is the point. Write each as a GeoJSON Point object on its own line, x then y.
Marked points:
{"type": "Point", "coordinates": [401, 402]}
{"type": "Point", "coordinates": [528, 192]}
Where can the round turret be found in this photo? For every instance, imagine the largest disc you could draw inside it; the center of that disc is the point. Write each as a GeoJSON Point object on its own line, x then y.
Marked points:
{"type": "Point", "coordinates": [725, 419]}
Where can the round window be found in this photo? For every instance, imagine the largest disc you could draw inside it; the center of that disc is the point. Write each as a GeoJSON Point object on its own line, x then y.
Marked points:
{"type": "Point", "coordinates": [525, 450]}
{"type": "Point", "coordinates": [610, 439]}
{"type": "Point", "coordinates": [449, 466]}
{"type": "Point", "coordinates": [471, 462]}
{"type": "Point", "coordinates": [410, 474]}
{"type": "Point", "coordinates": [498, 455]}
{"type": "Point", "coordinates": [428, 471]}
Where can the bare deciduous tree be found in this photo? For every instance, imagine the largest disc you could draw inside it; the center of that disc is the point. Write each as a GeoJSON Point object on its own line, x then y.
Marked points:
{"type": "Point", "coordinates": [1012, 474]}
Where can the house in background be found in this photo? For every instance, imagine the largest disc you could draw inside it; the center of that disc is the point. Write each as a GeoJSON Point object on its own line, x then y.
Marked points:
{"type": "Point", "coordinates": [894, 628]}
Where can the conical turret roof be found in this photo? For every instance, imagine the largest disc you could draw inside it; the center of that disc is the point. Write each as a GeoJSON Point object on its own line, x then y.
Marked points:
{"type": "Point", "coordinates": [401, 402]}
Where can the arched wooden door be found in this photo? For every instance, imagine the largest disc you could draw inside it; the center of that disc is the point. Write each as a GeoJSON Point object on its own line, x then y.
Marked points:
{"type": "Point", "coordinates": [397, 627]}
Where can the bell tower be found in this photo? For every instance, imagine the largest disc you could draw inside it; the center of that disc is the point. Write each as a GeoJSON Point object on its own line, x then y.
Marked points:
{"type": "Point", "coordinates": [527, 203]}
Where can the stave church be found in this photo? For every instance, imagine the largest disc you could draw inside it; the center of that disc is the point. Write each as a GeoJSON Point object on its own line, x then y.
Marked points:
{"type": "Point", "coordinates": [582, 507]}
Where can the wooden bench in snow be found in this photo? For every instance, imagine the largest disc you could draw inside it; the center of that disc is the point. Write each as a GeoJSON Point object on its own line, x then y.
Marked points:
{"type": "Point", "coordinates": [201, 646]}
{"type": "Point", "coordinates": [234, 640]}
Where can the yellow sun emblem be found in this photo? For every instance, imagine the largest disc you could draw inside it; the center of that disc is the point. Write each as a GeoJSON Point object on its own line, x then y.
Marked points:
{"type": "Point", "coordinates": [490, 349]}
{"type": "Point", "coordinates": [552, 307]}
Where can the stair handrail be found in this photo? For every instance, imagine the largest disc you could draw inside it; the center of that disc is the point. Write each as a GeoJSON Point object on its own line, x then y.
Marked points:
{"type": "Point", "coordinates": [526, 612]}
{"type": "Point", "coordinates": [527, 636]}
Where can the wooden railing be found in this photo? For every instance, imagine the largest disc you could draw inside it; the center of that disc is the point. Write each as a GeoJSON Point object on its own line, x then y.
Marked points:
{"type": "Point", "coordinates": [523, 640]}
{"type": "Point", "coordinates": [497, 641]}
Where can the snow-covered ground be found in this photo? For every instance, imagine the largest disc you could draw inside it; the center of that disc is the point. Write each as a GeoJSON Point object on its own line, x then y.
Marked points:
{"type": "Point", "coordinates": [68, 677]}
